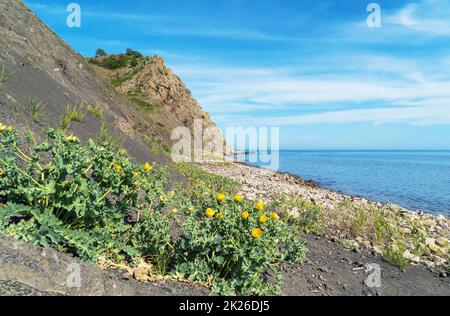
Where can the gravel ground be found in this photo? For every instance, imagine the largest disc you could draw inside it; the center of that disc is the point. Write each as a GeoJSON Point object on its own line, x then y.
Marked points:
{"type": "Point", "coordinates": [257, 183]}
{"type": "Point", "coordinates": [13, 288]}
{"type": "Point", "coordinates": [331, 270]}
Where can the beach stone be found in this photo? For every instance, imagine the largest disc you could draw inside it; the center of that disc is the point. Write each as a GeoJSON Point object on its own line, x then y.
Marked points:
{"type": "Point", "coordinates": [442, 242]}
{"type": "Point", "coordinates": [408, 255]}
{"type": "Point", "coordinates": [435, 248]}
{"type": "Point", "coordinates": [430, 241]}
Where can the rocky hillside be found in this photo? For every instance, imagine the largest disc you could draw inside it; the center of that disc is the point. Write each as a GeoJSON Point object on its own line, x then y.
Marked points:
{"type": "Point", "coordinates": [154, 88]}
{"type": "Point", "coordinates": [43, 82]}
{"type": "Point", "coordinates": [40, 69]}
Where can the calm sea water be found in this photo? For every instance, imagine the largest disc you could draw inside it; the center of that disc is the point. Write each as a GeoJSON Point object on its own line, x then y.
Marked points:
{"type": "Point", "coordinates": [418, 180]}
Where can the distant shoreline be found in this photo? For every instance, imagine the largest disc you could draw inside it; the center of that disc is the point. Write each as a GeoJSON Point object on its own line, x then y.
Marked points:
{"type": "Point", "coordinates": [427, 205]}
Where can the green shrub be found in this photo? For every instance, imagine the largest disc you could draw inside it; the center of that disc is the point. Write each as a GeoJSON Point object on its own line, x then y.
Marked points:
{"type": "Point", "coordinates": [111, 62]}
{"type": "Point", "coordinates": [133, 53]}
{"type": "Point", "coordinates": [78, 198]}
{"type": "Point", "coordinates": [100, 53]}
{"type": "Point", "coordinates": [93, 202]}
{"type": "Point", "coordinates": [232, 244]}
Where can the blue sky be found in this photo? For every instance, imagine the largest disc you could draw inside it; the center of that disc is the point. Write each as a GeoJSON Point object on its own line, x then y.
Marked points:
{"type": "Point", "coordinates": [313, 68]}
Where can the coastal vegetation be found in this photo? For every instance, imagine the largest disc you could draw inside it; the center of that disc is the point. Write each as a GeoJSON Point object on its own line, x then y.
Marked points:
{"type": "Point", "coordinates": [91, 201]}
{"type": "Point", "coordinates": [400, 236]}
{"type": "Point", "coordinates": [353, 222]}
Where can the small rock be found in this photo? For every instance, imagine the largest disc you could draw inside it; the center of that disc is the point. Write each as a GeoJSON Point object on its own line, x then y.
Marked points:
{"type": "Point", "coordinates": [141, 274]}
{"type": "Point", "coordinates": [429, 264]}
{"type": "Point", "coordinates": [430, 241]}
{"type": "Point", "coordinates": [377, 250]}
{"type": "Point", "coordinates": [408, 255]}
{"type": "Point", "coordinates": [442, 242]}
{"type": "Point", "coordinates": [325, 269]}
{"type": "Point", "coordinates": [435, 248]}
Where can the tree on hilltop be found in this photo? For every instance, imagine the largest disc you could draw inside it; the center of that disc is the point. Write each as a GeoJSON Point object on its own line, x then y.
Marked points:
{"type": "Point", "coordinates": [100, 53]}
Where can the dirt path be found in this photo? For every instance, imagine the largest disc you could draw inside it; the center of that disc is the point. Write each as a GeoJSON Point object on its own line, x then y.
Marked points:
{"type": "Point", "coordinates": [333, 270]}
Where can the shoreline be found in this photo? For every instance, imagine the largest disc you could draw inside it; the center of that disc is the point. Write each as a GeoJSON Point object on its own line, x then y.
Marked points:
{"type": "Point", "coordinates": [316, 185]}
{"type": "Point", "coordinates": [259, 183]}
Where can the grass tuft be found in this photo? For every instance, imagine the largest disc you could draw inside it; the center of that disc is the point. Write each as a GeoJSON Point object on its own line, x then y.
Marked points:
{"type": "Point", "coordinates": [73, 114]}
{"type": "Point", "coordinates": [36, 110]}
{"type": "Point", "coordinates": [96, 111]}
{"type": "Point", "coordinates": [3, 75]}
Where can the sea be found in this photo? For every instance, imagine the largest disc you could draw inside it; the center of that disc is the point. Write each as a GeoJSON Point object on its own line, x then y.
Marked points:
{"type": "Point", "coordinates": [417, 180]}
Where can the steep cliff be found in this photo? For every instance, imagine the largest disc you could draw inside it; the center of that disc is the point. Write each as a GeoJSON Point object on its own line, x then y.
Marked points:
{"type": "Point", "coordinates": [154, 88]}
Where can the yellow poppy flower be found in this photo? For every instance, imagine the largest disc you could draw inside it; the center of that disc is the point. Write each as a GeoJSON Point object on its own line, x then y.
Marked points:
{"type": "Point", "coordinates": [10, 129]}
{"type": "Point", "coordinates": [2, 127]}
{"type": "Point", "coordinates": [210, 212]}
{"type": "Point", "coordinates": [163, 198]}
{"type": "Point", "coordinates": [260, 206]}
{"type": "Point", "coordinates": [275, 216]}
{"type": "Point", "coordinates": [190, 210]}
{"type": "Point", "coordinates": [263, 219]}
{"type": "Point", "coordinates": [122, 152]}
{"type": "Point", "coordinates": [136, 174]}
{"type": "Point", "coordinates": [117, 167]}
{"type": "Point", "coordinates": [174, 211]}
{"type": "Point", "coordinates": [257, 233]}
{"type": "Point", "coordinates": [72, 138]}
{"type": "Point", "coordinates": [238, 198]}
{"type": "Point", "coordinates": [219, 215]}
{"type": "Point", "coordinates": [220, 197]}
{"type": "Point", "coordinates": [245, 215]}
{"type": "Point", "coordinates": [148, 167]}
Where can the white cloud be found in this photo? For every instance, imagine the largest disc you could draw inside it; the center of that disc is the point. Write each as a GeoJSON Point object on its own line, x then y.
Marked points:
{"type": "Point", "coordinates": [215, 85]}
{"type": "Point", "coordinates": [430, 17]}
{"type": "Point", "coordinates": [405, 90]}
{"type": "Point", "coordinates": [406, 115]}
